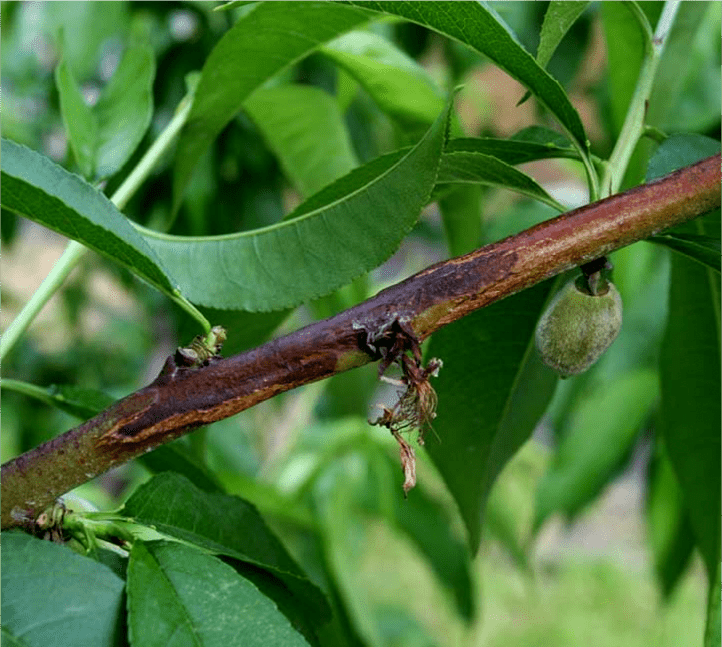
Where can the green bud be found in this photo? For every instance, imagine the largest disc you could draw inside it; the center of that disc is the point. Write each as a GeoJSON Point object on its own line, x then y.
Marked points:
{"type": "Point", "coordinates": [577, 327]}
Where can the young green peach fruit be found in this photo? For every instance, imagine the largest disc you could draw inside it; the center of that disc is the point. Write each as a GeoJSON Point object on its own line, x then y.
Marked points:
{"type": "Point", "coordinates": [577, 327]}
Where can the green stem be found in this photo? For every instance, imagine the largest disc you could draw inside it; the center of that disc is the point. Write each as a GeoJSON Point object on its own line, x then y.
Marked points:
{"type": "Point", "coordinates": [75, 251]}
{"type": "Point", "coordinates": [65, 265]}
{"type": "Point", "coordinates": [633, 127]}
{"type": "Point", "coordinates": [589, 166]}
{"type": "Point", "coordinates": [148, 162]}
{"type": "Point", "coordinates": [27, 389]}
{"type": "Point", "coordinates": [186, 305]}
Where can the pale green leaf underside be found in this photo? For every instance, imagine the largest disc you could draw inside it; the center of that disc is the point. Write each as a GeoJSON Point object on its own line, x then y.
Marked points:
{"type": "Point", "coordinates": [475, 24]}
{"type": "Point", "coordinates": [399, 86]}
{"type": "Point", "coordinates": [40, 190]}
{"type": "Point", "coordinates": [267, 40]}
{"type": "Point", "coordinates": [304, 127]}
{"type": "Point", "coordinates": [104, 137]}
{"type": "Point", "coordinates": [275, 35]}
{"type": "Point", "coordinates": [349, 228]}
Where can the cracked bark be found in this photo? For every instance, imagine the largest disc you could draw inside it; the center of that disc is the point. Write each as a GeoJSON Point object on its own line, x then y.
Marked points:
{"type": "Point", "coordinates": [184, 398]}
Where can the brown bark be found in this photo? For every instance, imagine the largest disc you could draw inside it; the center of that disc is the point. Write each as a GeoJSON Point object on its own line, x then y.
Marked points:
{"type": "Point", "coordinates": [181, 399]}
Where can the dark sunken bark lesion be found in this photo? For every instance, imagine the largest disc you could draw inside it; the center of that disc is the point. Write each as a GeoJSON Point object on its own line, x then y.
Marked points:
{"type": "Point", "coordinates": [183, 398]}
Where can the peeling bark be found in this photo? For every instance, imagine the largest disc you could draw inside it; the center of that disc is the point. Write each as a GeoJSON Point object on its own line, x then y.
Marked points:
{"type": "Point", "coordinates": [183, 398]}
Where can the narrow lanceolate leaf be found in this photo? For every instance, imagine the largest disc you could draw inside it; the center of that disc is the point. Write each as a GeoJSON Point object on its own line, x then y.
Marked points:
{"type": "Point", "coordinates": [475, 24]}
{"type": "Point", "coordinates": [80, 123]}
{"type": "Point", "coordinates": [690, 368]}
{"type": "Point", "coordinates": [35, 187]}
{"type": "Point", "coordinates": [104, 136]}
{"type": "Point", "coordinates": [82, 603]}
{"type": "Point", "coordinates": [124, 109]}
{"type": "Point", "coordinates": [348, 228]}
{"type": "Point", "coordinates": [492, 391]}
{"type": "Point", "coordinates": [558, 19]}
{"type": "Point", "coordinates": [305, 129]}
{"type": "Point", "coordinates": [401, 87]}
{"type": "Point", "coordinates": [528, 145]}
{"type": "Point", "coordinates": [471, 167]}
{"type": "Point", "coordinates": [268, 39]}
{"type": "Point", "coordinates": [180, 595]}
{"type": "Point", "coordinates": [703, 249]}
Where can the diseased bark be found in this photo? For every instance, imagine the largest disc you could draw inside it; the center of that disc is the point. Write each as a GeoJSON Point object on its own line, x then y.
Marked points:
{"type": "Point", "coordinates": [182, 399]}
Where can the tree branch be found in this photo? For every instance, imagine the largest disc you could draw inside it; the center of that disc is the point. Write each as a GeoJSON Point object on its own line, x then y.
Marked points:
{"type": "Point", "coordinates": [183, 398]}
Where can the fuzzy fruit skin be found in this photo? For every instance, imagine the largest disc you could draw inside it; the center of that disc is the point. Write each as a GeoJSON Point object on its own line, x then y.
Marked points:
{"type": "Point", "coordinates": [576, 328]}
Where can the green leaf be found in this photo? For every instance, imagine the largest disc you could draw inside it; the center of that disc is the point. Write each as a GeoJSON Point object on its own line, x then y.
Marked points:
{"type": "Point", "coordinates": [84, 28]}
{"type": "Point", "coordinates": [690, 370]}
{"type": "Point", "coordinates": [401, 87]}
{"type": "Point", "coordinates": [424, 521]}
{"type": "Point", "coordinates": [124, 109]}
{"type": "Point", "coordinates": [461, 215]}
{"type": "Point", "coordinates": [350, 227]}
{"type": "Point", "coordinates": [174, 506]}
{"type": "Point", "coordinates": [527, 145]}
{"type": "Point", "coordinates": [625, 51]}
{"type": "Point", "coordinates": [305, 129]}
{"type": "Point", "coordinates": [600, 436]}
{"type": "Point", "coordinates": [510, 508]}
{"type": "Point", "coordinates": [104, 137]}
{"type": "Point", "coordinates": [677, 151]}
{"type": "Point", "coordinates": [703, 249]}
{"type": "Point", "coordinates": [365, 524]}
{"type": "Point", "coordinates": [690, 366]}
{"type": "Point", "coordinates": [80, 402]}
{"type": "Point", "coordinates": [366, 469]}
{"type": "Point", "coordinates": [180, 595]}
{"type": "Point", "coordinates": [224, 525]}
{"type": "Point", "coordinates": [42, 191]}
{"type": "Point", "coordinates": [82, 601]}
{"type": "Point", "coordinates": [688, 79]}
{"type": "Point", "coordinates": [177, 458]}
{"type": "Point", "coordinates": [77, 401]}
{"type": "Point", "coordinates": [558, 19]}
{"type": "Point", "coordinates": [268, 39]}
{"type": "Point", "coordinates": [428, 525]}
{"type": "Point", "coordinates": [478, 26]}
{"type": "Point", "coordinates": [471, 167]}
{"type": "Point", "coordinates": [80, 123]}
{"type": "Point", "coordinates": [670, 534]}
{"type": "Point", "coordinates": [492, 391]}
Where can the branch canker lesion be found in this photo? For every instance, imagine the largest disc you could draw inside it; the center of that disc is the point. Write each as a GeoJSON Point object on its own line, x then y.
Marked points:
{"type": "Point", "coordinates": [187, 397]}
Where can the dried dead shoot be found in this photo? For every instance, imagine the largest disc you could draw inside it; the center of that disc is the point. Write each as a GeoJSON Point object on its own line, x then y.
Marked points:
{"type": "Point", "coordinates": [416, 404]}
